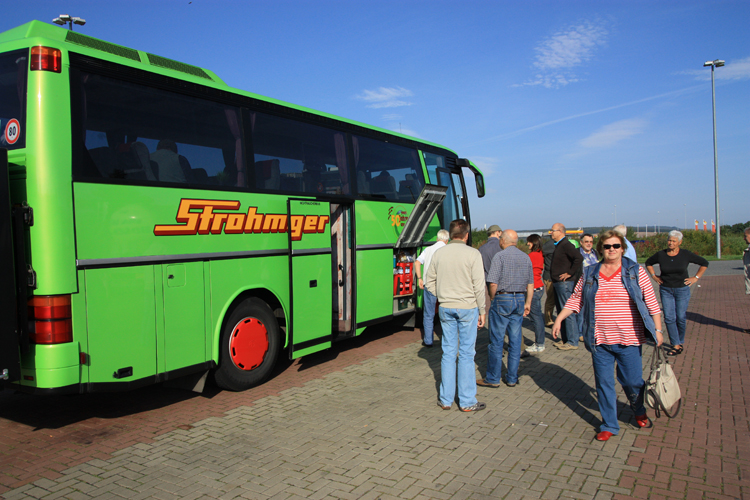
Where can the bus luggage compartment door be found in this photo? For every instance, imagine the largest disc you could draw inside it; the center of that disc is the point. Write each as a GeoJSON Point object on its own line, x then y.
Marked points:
{"type": "Point", "coordinates": [311, 286]}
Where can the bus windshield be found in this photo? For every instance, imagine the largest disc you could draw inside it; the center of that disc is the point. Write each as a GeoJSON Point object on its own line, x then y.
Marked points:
{"type": "Point", "coordinates": [13, 74]}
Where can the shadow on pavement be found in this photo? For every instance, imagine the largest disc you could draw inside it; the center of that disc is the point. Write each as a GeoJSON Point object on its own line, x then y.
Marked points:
{"type": "Point", "coordinates": [57, 412]}
{"type": "Point", "coordinates": [703, 320]}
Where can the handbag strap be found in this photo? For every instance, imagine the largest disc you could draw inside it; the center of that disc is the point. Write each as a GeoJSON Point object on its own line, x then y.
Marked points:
{"type": "Point", "coordinates": [663, 408]}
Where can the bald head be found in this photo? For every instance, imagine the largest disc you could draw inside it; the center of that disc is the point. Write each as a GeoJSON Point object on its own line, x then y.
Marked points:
{"type": "Point", "coordinates": [558, 231]}
{"type": "Point", "coordinates": [508, 238]}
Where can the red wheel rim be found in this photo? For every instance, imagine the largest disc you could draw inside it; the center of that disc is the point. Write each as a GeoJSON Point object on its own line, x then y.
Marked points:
{"type": "Point", "coordinates": [248, 344]}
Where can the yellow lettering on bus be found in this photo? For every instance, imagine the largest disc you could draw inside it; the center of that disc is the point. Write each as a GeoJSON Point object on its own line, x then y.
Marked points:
{"type": "Point", "coordinates": [196, 216]}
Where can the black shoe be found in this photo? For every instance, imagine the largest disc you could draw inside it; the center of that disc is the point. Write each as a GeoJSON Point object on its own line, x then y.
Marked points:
{"type": "Point", "coordinates": [509, 385]}
{"type": "Point", "coordinates": [426, 345]}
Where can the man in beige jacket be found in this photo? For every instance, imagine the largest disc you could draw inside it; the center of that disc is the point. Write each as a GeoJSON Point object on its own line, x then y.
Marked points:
{"type": "Point", "coordinates": [456, 278]}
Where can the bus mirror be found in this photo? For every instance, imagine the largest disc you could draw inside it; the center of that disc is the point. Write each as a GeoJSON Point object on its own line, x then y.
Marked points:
{"type": "Point", "coordinates": [480, 183]}
{"type": "Point", "coordinates": [463, 162]}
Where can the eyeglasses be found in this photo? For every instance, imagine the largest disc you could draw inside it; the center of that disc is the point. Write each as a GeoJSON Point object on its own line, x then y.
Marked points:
{"type": "Point", "coordinates": [615, 246]}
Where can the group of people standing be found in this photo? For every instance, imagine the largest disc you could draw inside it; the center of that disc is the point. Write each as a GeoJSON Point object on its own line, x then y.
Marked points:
{"type": "Point", "coordinates": [603, 297]}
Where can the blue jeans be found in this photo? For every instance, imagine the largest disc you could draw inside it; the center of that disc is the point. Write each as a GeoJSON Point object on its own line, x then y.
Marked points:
{"type": "Point", "coordinates": [675, 302]}
{"type": "Point", "coordinates": [428, 316]}
{"type": "Point", "coordinates": [459, 338]}
{"type": "Point", "coordinates": [569, 329]}
{"type": "Point", "coordinates": [629, 374]}
{"type": "Point", "coordinates": [506, 315]}
{"type": "Point", "coordinates": [537, 317]}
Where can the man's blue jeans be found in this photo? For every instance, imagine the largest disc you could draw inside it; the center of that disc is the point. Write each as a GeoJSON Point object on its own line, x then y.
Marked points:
{"type": "Point", "coordinates": [675, 302]}
{"type": "Point", "coordinates": [428, 316]}
{"type": "Point", "coordinates": [506, 315]}
{"type": "Point", "coordinates": [569, 329]}
{"type": "Point", "coordinates": [459, 338]}
{"type": "Point", "coordinates": [630, 376]}
{"type": "Point", "coordinates": [537, 316]}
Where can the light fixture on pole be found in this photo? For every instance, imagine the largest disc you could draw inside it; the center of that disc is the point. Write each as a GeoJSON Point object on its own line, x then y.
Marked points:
{"type": "Point", "coordinates": [716, 63]}
{"type": "Point", "coordinates": [64, 19]}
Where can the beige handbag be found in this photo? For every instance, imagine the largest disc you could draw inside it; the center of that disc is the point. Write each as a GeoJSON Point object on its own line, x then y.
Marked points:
{"type": "Point", "coordinates": [662, 390]}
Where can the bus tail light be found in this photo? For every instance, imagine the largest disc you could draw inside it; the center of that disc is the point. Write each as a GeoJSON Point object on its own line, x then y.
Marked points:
{"type": "Point", "coordinates": [46, 59]}
{"type": "Point", "coordinates": [51, 319]}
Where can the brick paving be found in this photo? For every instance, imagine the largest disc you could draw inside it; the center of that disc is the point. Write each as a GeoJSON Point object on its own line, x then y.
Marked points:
{"type": "Point", "coordinates": [361, 421]}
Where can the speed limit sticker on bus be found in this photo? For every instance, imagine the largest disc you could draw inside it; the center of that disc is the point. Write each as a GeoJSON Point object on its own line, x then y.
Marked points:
{"type": "Point", "coordinates": [12, 131]}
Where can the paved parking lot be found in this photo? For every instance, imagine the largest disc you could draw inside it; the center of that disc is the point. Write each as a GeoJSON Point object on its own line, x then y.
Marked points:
{"type": "Point", "coordinates": [360, 421]}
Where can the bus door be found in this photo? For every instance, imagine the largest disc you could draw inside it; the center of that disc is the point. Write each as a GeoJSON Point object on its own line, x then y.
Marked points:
{"type": "Point", "coordinates": [310, 280]}
{"type": "Point", "coordinates": [455, 200]}
{"type": "Point", "coordinates": [10, 367]}
{"type": "Point", "coordinates": [343, 270]}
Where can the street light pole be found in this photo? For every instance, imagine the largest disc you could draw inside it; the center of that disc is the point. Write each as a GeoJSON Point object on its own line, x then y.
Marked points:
{"type": "Point", "coordinates": [615, 215]}
{"type": "Point", "coordinates": [658, 222]}
{"type": "Point", "coordinates": [64, 19]}
{"type": "Point", "coordinates": [685, 221]}
{"type": "Point", "coordinates": [716, 63]}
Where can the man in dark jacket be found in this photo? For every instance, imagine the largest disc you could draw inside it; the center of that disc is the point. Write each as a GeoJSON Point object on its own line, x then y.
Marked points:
{"type": "Point", "coordinates": [567, 263]}
{"type": "Point", "coordinates": [548, 249]}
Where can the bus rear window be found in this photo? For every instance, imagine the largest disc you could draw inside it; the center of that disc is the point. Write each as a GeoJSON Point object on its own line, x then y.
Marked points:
{"type": "Point", "coordinates": [13, 73]}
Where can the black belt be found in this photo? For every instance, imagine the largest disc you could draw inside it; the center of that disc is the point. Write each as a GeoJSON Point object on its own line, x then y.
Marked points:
{"type": "Point", "coordinates": [510, 293]}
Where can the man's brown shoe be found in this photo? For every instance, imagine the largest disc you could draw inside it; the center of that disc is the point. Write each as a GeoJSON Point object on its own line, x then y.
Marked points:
{"type": "Point", "coordinates": [484, 383]}
{"type": "Point", "coordinates": [567, 347]}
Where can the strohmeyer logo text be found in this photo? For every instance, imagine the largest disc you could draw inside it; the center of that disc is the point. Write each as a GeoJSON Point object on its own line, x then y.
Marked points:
{"type": "Point", "coordinates": [198, 217]}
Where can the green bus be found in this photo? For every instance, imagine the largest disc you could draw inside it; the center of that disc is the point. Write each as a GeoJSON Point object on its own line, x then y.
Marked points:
{"type": "Point", "coordinates": [158, 224]}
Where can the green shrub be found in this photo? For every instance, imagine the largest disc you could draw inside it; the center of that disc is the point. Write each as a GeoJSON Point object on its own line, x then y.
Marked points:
{"type": "Point", "coordinates": [699, 242]}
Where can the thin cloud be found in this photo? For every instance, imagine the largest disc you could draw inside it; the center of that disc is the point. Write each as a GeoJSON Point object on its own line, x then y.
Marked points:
{"type": "Point", "coordinates": [405, 131]}
{"type": "Point", "coordinates": [732, 70]}
{"type": "Point", "coordinates": [386, 97]}
{"type": "Point", "coordinates": [557, 55]}
{"type": "Point", "coordinates": [611, 134]}
{"type": "Point", "coordinates": [488, 165]}
{"type": "Point", "coordinates": [588, 113]}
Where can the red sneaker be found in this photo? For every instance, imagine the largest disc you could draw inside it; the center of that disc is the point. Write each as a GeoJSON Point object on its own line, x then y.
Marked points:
{"type": "Point", "coordinates": [642, 420]}
{"type": "Point", "coordinates": [603, 436]}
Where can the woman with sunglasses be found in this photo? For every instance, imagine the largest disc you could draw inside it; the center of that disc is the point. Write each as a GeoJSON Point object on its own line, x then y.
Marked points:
{"type": "Point", "coordinates": [674, 286]}
{"type": "Point", "coordinates": [620, 312]}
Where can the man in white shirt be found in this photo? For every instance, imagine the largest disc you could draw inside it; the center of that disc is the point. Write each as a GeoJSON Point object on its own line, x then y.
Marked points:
{"type": "Point", "coordinates": [429, 300]}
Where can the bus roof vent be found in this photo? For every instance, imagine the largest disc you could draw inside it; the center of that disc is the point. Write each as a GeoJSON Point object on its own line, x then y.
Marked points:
{"type": "Point", "coordinates": [177, 66]}
{"type": "Point", "coordinates": [96, 44]}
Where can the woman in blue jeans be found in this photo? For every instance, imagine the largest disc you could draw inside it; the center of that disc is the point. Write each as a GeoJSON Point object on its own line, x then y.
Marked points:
{"type": "Point", "coordinates": [620, 312]}
{"type": "Point", "coordinates": [534, 242]}
{"type": "Point", "coordinates": [674, 286]}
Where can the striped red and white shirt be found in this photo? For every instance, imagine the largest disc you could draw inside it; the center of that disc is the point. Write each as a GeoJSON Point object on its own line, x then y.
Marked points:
{"type": "Point", "coordinates": [617, 320]}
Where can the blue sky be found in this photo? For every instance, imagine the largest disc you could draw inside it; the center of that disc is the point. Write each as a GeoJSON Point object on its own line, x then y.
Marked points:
{"type": "Point", "coordinates": [574, 110]}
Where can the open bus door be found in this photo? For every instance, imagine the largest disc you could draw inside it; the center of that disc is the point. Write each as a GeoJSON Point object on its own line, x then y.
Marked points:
{"type": "Point", "coordinates": [311, 286]}
{"type": "Point", "coordinates": [13, 335]}
{"type": "Point", "coordinates": [411, 239]}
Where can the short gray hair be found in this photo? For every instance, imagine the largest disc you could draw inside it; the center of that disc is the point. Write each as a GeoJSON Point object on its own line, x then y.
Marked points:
{"type": "Point", "coordinates": [443, 235]}
{"type": "Point", "coordinates": [675, 234]}
{"type": "Point", "coordinates": [621, 229]}
{"type": "Point", "coordinates": [747, 230]}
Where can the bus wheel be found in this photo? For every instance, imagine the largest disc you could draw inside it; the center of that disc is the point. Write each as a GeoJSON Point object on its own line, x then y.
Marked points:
{"type": "Point", "coordinates": [249, 346]}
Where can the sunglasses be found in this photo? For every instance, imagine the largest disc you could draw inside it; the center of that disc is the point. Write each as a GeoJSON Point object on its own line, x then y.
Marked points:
{"type": "Point", "coordinates": [615, 246]}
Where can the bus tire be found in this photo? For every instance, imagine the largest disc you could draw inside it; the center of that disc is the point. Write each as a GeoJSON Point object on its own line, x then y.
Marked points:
{"type": "Point", "coordinates": [250, 343]}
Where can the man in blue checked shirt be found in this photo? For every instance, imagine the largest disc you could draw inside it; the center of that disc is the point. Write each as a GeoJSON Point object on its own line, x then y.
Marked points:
{"type": "Point", "coordinates": [511, 283]}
